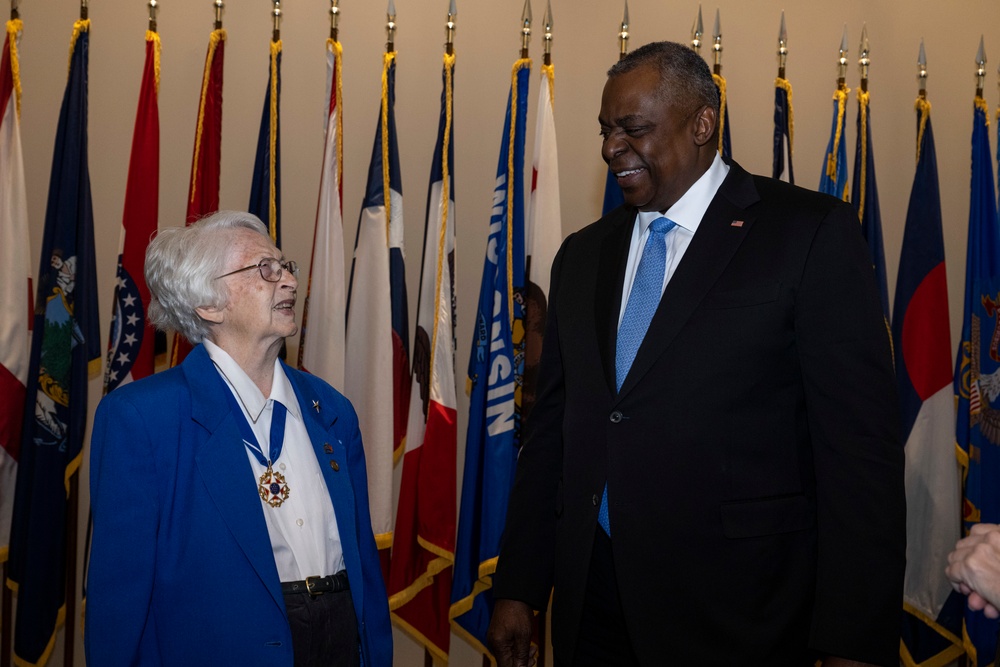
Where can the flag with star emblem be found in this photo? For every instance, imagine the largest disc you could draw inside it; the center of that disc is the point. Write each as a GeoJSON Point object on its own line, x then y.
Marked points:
{"type": "Point", "coordinates": [15, 281]}
{"type": "Point", "coordinates": [65, 351]}
{"type": "Point", "coordinates": [131, 339]}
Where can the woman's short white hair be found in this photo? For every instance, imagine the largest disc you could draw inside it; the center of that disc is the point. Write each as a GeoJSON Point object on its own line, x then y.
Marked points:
{"type": "Point", "coordinates": [181, 266]}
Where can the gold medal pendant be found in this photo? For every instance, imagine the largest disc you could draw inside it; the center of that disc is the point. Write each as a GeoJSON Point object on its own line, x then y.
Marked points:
{"type": "Point", "coordinates": [273, 489]}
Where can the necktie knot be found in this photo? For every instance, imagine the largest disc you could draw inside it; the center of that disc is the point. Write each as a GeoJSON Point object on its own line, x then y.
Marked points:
{"type": "Point", "coordinates": [662, 225]}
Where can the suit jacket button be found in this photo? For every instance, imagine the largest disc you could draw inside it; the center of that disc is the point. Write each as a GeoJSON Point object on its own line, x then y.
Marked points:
{"type": "Point", "coordinates": [335, 466]}
{"type": "Point", "coordinates": [616, 417]}
{"type": "Point", "coordinates": [594, 500]}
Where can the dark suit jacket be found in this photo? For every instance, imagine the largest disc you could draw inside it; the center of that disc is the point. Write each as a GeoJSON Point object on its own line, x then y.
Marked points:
{"type": "Point", "coordinates": [181, 569]}
{"type": "Point", "coordinates": [754, 469]}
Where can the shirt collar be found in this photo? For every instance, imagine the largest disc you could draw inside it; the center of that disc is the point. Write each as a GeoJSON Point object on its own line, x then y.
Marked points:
{"type": "Point", "coordinates": [253, 400]}
{"type": "Point", "coordinates": [688, 211]}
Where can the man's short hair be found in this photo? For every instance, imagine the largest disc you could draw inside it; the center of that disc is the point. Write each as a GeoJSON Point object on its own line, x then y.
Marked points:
{"type": "Point", "coordinates": [685, 79]}
{"type": "Point", "coordinates": [181, 266]}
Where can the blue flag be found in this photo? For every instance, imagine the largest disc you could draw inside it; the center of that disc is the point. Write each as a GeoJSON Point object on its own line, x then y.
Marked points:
{"type": "Point", "coordinates": [65, 350]}
{"type": "Point", "coordinates": [265, 190]}
{"type": "Point", "coordinates": [921, 337]}
{"type": "Point", "coordinates": [977, 370]}
{"type": "Point", "coordinates": [866, 197]}
{"type": "Point", "coordinates": [613, 196]}
{"type": "Point", "coordinates": [783, 131]}
{"type": "Point", "coordinates": [833, 179]}
{"type": "Point", "coordinates": [496, 366]}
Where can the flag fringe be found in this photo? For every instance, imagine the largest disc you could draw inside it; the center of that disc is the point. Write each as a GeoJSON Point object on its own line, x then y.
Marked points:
{"type": "Point", "coordinates": [863, 99]}
{"type": "Point", "coordinates": [924, 107]}
{"type": "Point", "coordinates": [422, 581]}
{"type": "Point", "coordinates": [213, 41]}
{"type": "Point", "coordinates": [82, 25]}
{"type": "Point", "coordinates": [435, 650]}
{"type": "Point", "coordinates": [518, 66]}
{"type": "Point", "coordinates": [387, 61]}
{"type": "Point", "coordinates": [720, 82]}
{"type": "Point", "coordinates": [449, 72]}
{"type": "Point", "coordinates": [840, 95]}
{"type": "Point", "coordinates": [14, 28]}
{"type": "Point", "coordinates": [273, 145]}
{"type": "Point", "coordinates": [154, 37]}
{"type": "Point", "coordinates": [786, 86]}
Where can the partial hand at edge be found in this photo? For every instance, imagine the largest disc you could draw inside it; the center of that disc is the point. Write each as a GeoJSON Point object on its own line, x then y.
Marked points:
{"type": "Point", "coordinates": [509, 634]}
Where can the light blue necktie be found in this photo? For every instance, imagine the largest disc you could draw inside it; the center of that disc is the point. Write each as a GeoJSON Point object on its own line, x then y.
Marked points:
{"type": "Point", "coordinates": [647, 288]}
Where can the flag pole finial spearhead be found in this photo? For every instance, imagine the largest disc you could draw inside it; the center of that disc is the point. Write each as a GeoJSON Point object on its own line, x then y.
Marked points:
{"type": "Point", "coordinates": [449, 28]}
{"type": "Point", "coordinates": [525, 28]}
{"type": "Point", "coordinates": [390, 27]}
{"type": "Point", "coordinates": [980, 67]}
{"type": "Point", "coordinates": [334, 19]}
{"type": "Point", "coordinates": [842, 63]}
{"type": "Point", "coordinates": [153, 6]}
{"type": "Point", "coordinates": [717, 43]}
{"type": "Point", "coordinates": [623, 34]}
{"type": "Point", "coordinates": [276, 14]}
{"type": "Point", "coordinates": [218, 5]}
{"type": "Point", "coordinates": [782, 47]}
{"type": "Point", "coordinates": [864, 61]}
{"type": "Point", "coordinates": [547, 22]}
{"type": "Point", "coordinates": [697, 30]}
{"type": "Point", "coordinates": [922, 69]}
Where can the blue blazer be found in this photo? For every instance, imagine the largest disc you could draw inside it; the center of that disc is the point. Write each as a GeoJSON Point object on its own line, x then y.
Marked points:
{"type": "Point", "coordinates": [181, 567]}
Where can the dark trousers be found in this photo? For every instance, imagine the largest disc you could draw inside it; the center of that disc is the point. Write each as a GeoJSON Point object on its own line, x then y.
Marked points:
{"type": "Point", "coordinates": [603, 638]}
{"type": "Point", "coordinates": [324, 629]}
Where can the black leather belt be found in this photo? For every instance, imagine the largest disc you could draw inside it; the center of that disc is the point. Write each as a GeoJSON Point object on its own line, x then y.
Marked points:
{"type": "Point", "coordinates": [333, 583]}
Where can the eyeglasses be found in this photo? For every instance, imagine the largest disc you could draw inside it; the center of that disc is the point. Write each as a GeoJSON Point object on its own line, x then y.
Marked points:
{"type": "Point", "coordinates": [270, 269]}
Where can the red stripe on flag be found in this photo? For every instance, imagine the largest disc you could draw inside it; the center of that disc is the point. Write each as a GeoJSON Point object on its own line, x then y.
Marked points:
{"type": "Point", "coordinates": [926, 336]}
{"type": "Point", "coordinates": [11, 415]}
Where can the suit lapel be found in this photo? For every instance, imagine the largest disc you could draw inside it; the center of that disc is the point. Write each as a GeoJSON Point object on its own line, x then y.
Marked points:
{"type": "Point", "coordinates": [608, 297]}
{"type": "Point", "coordinates": [725, 224]}
{"type": "Point", "coordinates": [225, 471]}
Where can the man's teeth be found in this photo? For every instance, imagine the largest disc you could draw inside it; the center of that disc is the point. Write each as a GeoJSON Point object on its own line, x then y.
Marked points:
{"type": "Point", "coordinates": [627, 172]}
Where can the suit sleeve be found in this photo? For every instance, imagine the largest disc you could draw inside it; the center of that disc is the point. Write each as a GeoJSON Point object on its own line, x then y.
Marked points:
{"type": "Point", "coordinates": [527, 552]}
{"type": "Point", "coordinates": [123, 496]}
{"type": "Point", "coordinates": [852, 411]}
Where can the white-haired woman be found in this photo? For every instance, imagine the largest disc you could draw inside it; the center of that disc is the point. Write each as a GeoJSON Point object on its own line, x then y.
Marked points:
{"type": "Point", "coordinates": [229, 494]}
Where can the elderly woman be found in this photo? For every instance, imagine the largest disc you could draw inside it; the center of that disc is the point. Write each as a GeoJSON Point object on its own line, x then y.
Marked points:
{"type": "Point", "coordinates": [229, 494]}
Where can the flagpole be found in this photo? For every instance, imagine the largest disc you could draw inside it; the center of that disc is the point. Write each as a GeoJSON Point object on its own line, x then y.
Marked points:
{"type": "Point", "coordinates": [219, 5]}
{"type": "Point", "coordinates": [335, 21]}
{"type": "Point", "coordinates": [697, 30]}
{"type": "Point", "coordinates": [782, 47]}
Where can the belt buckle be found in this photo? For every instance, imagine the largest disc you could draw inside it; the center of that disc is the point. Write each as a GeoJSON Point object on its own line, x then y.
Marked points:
{"type": "Point", "coordinates": [309, 585]}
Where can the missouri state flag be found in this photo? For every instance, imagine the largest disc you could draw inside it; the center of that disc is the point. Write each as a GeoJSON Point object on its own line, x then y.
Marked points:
{"type": "Point", "coordinates": [921, 337]}
{"type": "Point", "coordinates": [977, 371]}
{"type": "Point", "coordinates": [496, 367]}
{"type": "Point", "coordinates": [833, 179]}
{"type": "Point", "coordinates": [423, 546]}
{"type": "Point", "coordinates": [377, 368]}
{"type": "Point", "coordinates": [65, 352]}
{"type": "Point", "coordinates": [15, 281]}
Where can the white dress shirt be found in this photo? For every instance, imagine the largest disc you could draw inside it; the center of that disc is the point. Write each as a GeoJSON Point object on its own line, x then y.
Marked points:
{"type": "Point", "coordinates": [686, 213]}
{"type": "Point", "coordinates": [303, 530]}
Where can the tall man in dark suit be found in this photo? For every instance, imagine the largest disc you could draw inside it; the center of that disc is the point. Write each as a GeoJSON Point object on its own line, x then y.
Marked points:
{"type": "Point", "coordinates": [712, 473]}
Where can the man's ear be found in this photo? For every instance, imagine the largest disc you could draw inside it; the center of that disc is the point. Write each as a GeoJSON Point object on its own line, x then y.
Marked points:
{"type": "Point", "coordinates": [211, 314]}
{"type": "Point", "coordinates": [706, 121]}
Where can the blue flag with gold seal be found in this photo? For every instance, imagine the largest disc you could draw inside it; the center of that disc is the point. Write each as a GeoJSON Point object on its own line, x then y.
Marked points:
{"type": "Point", "coordinates": [496, 367]}
{"type": "Point", "coordinates": [65, 352]}
{"type": "Point", "coordinates": [977, 371]}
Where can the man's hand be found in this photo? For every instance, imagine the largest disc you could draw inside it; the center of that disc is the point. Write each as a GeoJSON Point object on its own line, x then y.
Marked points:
{"type": "Point", "coordinates": [974, 568]}
{"type": "Point", "coordinates": [510, 634]}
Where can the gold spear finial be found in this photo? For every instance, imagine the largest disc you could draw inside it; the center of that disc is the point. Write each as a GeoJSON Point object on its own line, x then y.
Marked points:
{"type": "Point", "coordinates": [782, 47]}
{"type": "Point", "coordinates": [153, 6]}
{"type": "Point", "coordinates": [276, 14]}
{"type": "Point", "coordinates": [390, 27]}
{"type": "Point", "coordinates": [864, 61]}
{"type": "Point", "coordinates": [547, 38]}
{"type": "Point", "coordinates": [219, 6]}
{"type": "Point", "coordinates": [334, 19]}
{"type": "Point", "coordinates": [525, 28]}
{"type": "Point", "coordinates": [980, 68]}
{"type": "Point", "coordinates": [922, 70]}
{"type": "Point", "coordinates": [449, 28]}
{"type": "Point", "coordinates": [842, 76]}
{"type": "Point", "coordinates": [717, 44]}
{"type": "Point", "coordinates": [623, 34]}
{"type": "Point", "coordinates": [697, 30]}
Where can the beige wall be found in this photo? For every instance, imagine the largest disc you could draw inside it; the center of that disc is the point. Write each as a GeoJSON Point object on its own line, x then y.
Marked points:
{"type": "Point", "coordinates": [487, 43]}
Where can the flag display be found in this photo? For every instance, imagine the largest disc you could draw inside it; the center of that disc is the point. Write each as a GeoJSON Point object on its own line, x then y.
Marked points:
{"type": "Point", "coordinates": [977, 371]}
{"type": "Point", "coordinates": [423, 547]}
{"type": "Point", "coordinates": [65, 343]}
{"type": "Point", "coordinates": [265, 189]}
{"type": "Point", "coordinates": [496, 366]}
{"type": "Point", "coordinates": [866, 197]}
{"type": "Point", "coordinates": [15, 282]}
{"type": "Point", "coordinates": [377, 374]}
{"type": "Point", "coordinates": [203, 192]}
{"type": "Point", "coordinates": [324, 315]}
{"type": "Point", "coordinates": [543, 234]}
{"type": "Point", "coordinates": [833, 180]}
{"type": "Point", "coordinates": [725, 143]}
{"type": "Point", "coordinates": [784, 131]}
{"type": "Point", "coordinates": [921, 337]}
{"type": "Point", "coordinates": [613, 195]}
{"type": "Point", "coordinates": [131, 339]}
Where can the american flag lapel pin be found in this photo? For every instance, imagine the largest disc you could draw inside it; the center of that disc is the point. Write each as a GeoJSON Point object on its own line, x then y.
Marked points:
{"type": "Point", "coordinates": [736, 223]}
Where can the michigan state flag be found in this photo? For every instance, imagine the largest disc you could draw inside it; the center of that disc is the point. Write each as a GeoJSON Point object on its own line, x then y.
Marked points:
{"type": "Point", "coordinates": [65, 350]}
{"type": "Point", "coordinates": [833, 179]}
{"type": "Point", "coordinates": [496, 366]}
{"type": "Point", "coordinates": [977, 371]}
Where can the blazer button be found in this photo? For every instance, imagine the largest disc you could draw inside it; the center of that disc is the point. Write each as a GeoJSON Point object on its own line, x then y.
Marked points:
{"type": "Point", "coordinates": [594, 500]}
{"type": "Point", "coordinates": [616, 417]}
{"type": "Point", "coordinates": [335, 466]}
